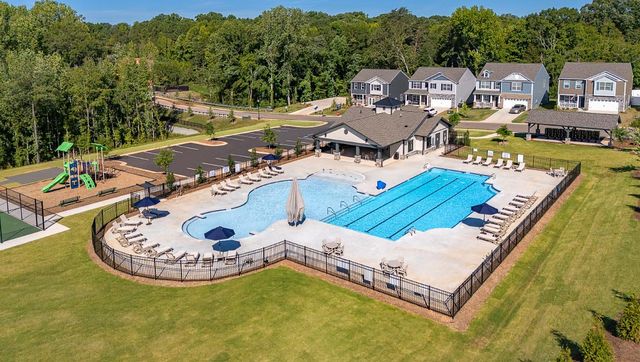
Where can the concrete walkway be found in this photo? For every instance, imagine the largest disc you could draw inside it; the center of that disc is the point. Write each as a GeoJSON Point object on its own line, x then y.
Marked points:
{"type": "Point", "coordinates": [319, 105]}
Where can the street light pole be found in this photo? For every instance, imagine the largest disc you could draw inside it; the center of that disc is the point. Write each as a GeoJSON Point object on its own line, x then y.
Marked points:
{"type": "Point", "coordinates": [258, 109]}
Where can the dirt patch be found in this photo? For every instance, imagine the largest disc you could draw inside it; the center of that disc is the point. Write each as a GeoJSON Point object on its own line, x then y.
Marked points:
{"type": "Point", "coordinates": [625, 351]}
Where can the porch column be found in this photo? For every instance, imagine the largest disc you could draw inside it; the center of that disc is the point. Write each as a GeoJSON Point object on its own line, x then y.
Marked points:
{"type": "Point", "coordinates": [379, 158]}
{"type": "Point", "coordinates": [357, 158]}
{"type": "Point", "coordinates": [567, 138]}
{"type": "Point", "coordinates": [357, 150]}
{"type": "Point", "coordinates": [424, 144]}
{"type": "Point", "coordinates": [336, 153]}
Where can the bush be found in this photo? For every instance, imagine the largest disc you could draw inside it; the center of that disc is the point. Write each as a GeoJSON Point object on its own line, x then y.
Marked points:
{"type": "Point", "coordinates": [595, 347]}
{"type": "Point", "coordinates": [254, 158]}
{"type": "Point", "coordinates": [635, 123]}
{"type": "Point", "coordinates": [232, 164]}
{"type": "Point", "coordinates": [466, 140]}
{"type": "Point", "coordinates": [278, 151]}
{"type": "Point", "coordinates": [170, 180]}
{"type": "Point", "coordinates": [454, 119]}
{"type": "Point", "coordinates": [564, 356]}
{"type": "Point", "coordinates": [200, 175]}
{"type": "Point", "coordinates": [628, 326]}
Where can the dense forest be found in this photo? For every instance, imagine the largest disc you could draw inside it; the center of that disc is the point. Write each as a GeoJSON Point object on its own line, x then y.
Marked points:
{"type": "Point", "coordinates": [64, 78]}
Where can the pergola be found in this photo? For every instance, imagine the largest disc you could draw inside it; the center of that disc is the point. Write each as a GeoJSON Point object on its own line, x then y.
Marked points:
{"type": "Point", "coordinates": [572, 121]}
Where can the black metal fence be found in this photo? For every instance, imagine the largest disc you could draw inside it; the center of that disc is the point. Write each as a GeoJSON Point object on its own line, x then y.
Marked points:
{"type": "Point", "coordinates": [441, 301]}
{"type": "Point", "coordinates": [21, 207]}
{"type": "Point", "coordinates": [531, 161]}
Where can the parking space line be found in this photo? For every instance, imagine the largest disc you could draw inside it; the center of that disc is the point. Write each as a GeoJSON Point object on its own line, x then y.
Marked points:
{"type": "Point", "coordinates": [246, 136]}
{"type": "Point", "coordinates": [235, 139]}
{"type": "Point", "coordinates": [235, 154]}
{"type": "Point", "coordinates": [221, 159]}
{"type": "Point", "coordinates": [189, 148]}
{"type": "Point", "coordinates": [151, 153]}
{"type": "Point", "coordinates": [176, 151]}
{"type": "Point", "coordinates": [139, 158]}
{"type": "Point", "coordinates": [211, 164]}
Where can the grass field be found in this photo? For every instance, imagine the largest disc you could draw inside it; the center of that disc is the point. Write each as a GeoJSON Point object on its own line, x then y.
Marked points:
{"type": "Point", "coordinates": [57, 302]}
{"type": "Point", "coordinates": [522, 117]}
{"type": "Point", "coordinates": [477, 114]}
{"type": "Point", "coordinates": [11, 228]}
{"type": "Point", "coordinates": [474, 132]}
{"type": "Point", "coordinates": [292, 108]}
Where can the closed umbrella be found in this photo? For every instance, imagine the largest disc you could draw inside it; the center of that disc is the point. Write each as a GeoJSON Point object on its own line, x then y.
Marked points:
{"type": "Point", "coordinates": [484, 209]}
{"type": "Point", "coordinates": [295, 204]}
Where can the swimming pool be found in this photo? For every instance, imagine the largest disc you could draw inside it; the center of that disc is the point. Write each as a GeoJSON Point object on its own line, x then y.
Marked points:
{"type": "Point", "coordinates": [437, 198]}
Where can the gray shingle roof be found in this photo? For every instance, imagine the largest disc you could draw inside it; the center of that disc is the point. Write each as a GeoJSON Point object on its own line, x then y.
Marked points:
{"type": "Point", "coordinates": [577, 70]}
{"type": "Point", "coordinates": [501, 70]}
{"type": "Point", "coordinates": [423, 73]}
{"type": "Point", "coordinates": [387, 75]}
{"type": "Point", "coordinates": [388, 102]}
{"type": "Point", "coordinates": [429, 125]}
{"type": "Point", "coordinates": [385, 129]}
{"type": "Point", "coordinates": [573, 119]}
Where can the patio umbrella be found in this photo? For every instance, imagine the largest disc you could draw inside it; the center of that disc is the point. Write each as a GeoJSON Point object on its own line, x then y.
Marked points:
{"type": "Point", "coordinates": [484, 209]}
{"type": "Point", "coordinates": [219, 233]}
{"type": "Point", "coordinates": [295, 204]}
{"type": "Point", "coordinates": [226, 245]}
{"type": "Point", "coordinates": [146, 202]}
{"type": "Point", "coordinates": [270, 157]}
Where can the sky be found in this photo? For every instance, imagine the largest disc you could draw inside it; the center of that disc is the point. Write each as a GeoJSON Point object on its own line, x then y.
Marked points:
{"type": "Point", "coordinates": [129, 11]}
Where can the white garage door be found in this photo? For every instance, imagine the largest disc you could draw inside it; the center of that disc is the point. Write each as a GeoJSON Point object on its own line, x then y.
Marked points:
{"type": "Point", "coordinates": [603, 106]}
{"type": "Point", "coordinates": [440, 103]}
{"type": "Point", "coordinates": [508, 103]}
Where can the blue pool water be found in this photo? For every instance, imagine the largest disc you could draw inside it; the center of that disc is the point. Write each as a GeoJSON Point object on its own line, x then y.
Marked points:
{"type": "Point", "coordinates": [437, 198]}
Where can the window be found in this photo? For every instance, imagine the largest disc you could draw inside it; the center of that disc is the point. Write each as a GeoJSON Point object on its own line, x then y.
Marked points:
{"type": "Point", "coordinates": [578, 84]}
{"type": "Point", "coordinates": [362, 86]}
{"type": "Point", "coordinates": [416, 85]}
{"type": "Point", "coordinates": [376, 87]}
{"type": "Point", "coordinates": [604, 86]}
{"type": "Point", "coordinates": [446, 87]}
{"type": "Point", "coordinates": [566, 84]}
{"type": "Point", "coordinates": [486, 74]}
{"type": "Point", "coordinates": [516, 86]}
{"type": "Point", "coordinates": [484, 84]}
{"type": "Point", "coordinates": [433, 86]}
{"type": "Point", "coordinates": [410, 146]}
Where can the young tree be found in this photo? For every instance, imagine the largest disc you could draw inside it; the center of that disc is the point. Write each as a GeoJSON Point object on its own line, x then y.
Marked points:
{"type": "Point", "coordinates": [504, 132]}
{"type": "Point", "coordinates": [298, 148]}
{"type": "Point", "coordinates": [620, 134]}
{"type": "Point", "coordinates": [232, 164]}
{"type": "Point", "coordinates": [628, 326]}
{"type": "Point", "coordinates": [164, 159]}
{"type": "Point", "coordinates": [269, 136]}
{"type": "Point", "coordinates": [170, 180]}
{"type": "Point", "coordinates": [231, 117]}
{"type": "Point", "coordinates": [254, 157]}
{"type": "Point", "coordinates": [278, 151]}
{"type": "Point", "coordinates": [595, 347]}
{"type": "Point", "coordinates": [200, 174]}
{"type": "Point", "coordinates": [209, 129]}
{"type": "Point", "coordinates": [466, 138]}
{"type": "Point", "coordinates": [454, 119]}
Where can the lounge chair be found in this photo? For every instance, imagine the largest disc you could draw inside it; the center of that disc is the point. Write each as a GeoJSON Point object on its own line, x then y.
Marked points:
{"type": "Point", "coordinates": [172, 258]}
{"type": "Point", "coordinates": [153, 253]}
{"type": "Point", "coordinates": [502, 217]}
{"type": "Point", "coordinates": [469, 159]}
{"type": "Point", "coordinates": [498, 221]}
{"type": "Point", "coordinates": [509, 165]}
{"type": "Point", "coordinates": [254, 178]}
{"type": "Point", "coordinates": [246, 181]}
{"type": "Point", "coordinates": [138, 240]}
{"type": "Point", "coordinates": [521, 166]}
{"type": "Point", "coordinates": [490, 230]}
{"type": "Point", "coordinates": [232, 184]}
{"type": "Point", "coordinates": [489, 238]}
{"type": "Point", "coordinates": [122, 241]}
{"type": "Point", "coordinates": [124, 230]}
{"type": "Point", "coordinates": [268, 171]}
{"type": "Point", "coordinates": [144, 248]}
{"type": "Point", "coordinates": [124, 221]}
{"type": "Point", "coordinates": [215, 190]}
{"type": "Point", "coordinates": [527, 196]}
{"type": "Point", "coordinates": [275, 169]}
{"type": "Point", "coordinates": [521, 199]}
{"type": "Point", "coordinates": [132, 236]}
{"type": "Point", "coordinates": [517, 204]}
{"type": "Point", "coordinates": [507, 212]}
{"type": "Point", "coordinates": [478, 160]}
{"type": "Point", "coordinates": [488, 161]}
{"type": "Point", "coordinates": [499, 163]}
{"type": "Point", "coordinates": [192, 259]}
{"type": "Point", "coordinates": [207, 260]}
{"type": "Point", "coordinates": [263, 174]}
{"type": "Point", "coordinates": [222, 186]}
{"type": "Point", "coordinates": [230, 259]}
{"type": "Point", "coordinates": [511, 209]}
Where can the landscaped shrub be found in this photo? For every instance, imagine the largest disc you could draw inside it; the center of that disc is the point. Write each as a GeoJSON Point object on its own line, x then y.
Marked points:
{"type": "Point", "coordinates": [635, 123]}
{"type": "Point", "coordinates": [595, 347]}
{"type": "Point", "coordinates": [564, 356]}
{"type": "Point", "coordinates": [467, 139]}
{"type": "Point", "coordinates": [170, 181]}
{"type": "Point", "coordinates": [628, 326]}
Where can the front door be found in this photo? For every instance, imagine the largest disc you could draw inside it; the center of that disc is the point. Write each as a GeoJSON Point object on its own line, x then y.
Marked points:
{"type": "Point", "coordinates": [429, 142]}
{"type": "Point", "coordinates": [437, 140]}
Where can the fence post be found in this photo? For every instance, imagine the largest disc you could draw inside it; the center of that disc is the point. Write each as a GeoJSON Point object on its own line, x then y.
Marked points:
{"type": "Point", "coordinates": [180, 261]}
{"type": "Point", "coordinates": [155, 271]}
{"type": "Point", "coordinates": [304, 248]}
{"type": "Point", "coordinates": [264, 264]}
{"type": "Point", "coordinates": [349, 269]}
{"type": "Point", "coordinates": [113, 257]}
{"type": "Point", "coordinates": [131, 263]}
{"type": "Point", "coordinates": [373, 278]}
{"type": "Point", "coordinates": [429, 298]}
{"type": "Point", "coordinates": [19, 205]}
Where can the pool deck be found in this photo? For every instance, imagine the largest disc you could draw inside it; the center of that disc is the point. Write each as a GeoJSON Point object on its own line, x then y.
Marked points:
{"type": "Point", "coordinates": [442, 258]}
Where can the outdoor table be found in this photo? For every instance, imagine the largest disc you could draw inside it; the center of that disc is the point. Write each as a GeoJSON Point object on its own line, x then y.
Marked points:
{"type": "Point", "coordinates": [394, 264]}
{"type": "Point", "coordinates": [332, 245]}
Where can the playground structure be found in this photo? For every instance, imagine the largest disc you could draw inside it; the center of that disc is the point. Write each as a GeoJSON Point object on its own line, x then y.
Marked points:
{"type": "Point", "coordinates": [76, 170]}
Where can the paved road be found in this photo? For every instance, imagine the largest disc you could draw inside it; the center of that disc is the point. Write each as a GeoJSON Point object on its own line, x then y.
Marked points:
{"type": "Point", "coordinates": [188, 156]}
{"type": "Point", "coordinates": [204, 109]}
{"type": "Point", "coordinates": [319, 105]}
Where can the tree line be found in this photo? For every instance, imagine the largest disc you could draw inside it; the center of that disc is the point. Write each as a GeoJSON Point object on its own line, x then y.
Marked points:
{"type": "Point", "coordinates": [65, 78]}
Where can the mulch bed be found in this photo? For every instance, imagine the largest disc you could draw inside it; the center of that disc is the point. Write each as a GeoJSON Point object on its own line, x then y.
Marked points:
{"type": "Point", "coordinates": [624, 350]}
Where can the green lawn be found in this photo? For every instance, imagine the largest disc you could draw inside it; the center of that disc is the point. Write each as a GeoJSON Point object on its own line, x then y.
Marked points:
{"type": "Point", "coordinates": [292, 108]}
{"type": "Point", "coordinates": [474, 132]}
{"type": "Point", "coordinates": [57, 302]}
{"type": "Point", "coordinates": [477, 114]}
{"type": "Point", "coordinates": [11, 228]}
{"type": "Point", "coordinates": [522, 117]}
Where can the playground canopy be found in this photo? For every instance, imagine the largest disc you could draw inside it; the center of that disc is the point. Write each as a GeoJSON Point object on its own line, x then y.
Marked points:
{"type": "Point", "coordinates": [65, 146]}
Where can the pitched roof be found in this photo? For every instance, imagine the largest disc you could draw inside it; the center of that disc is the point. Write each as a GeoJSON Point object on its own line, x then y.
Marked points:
{"type": "Point", "coordinates": [499, 71]}
{"type": "Point", "coordinates": [388, 102]}
{"type": "Point", "coordinates": [423, 73]}
{"type": "Point", "coordinates": [573, 119]}
{"type": "Point", "coordinates": [387, 75]}
{"type": "Point", "coordinates": [382, 128]}
{"type": "Point", "coordinates": [578, 70]}
{"type": "Point", "coordinates": [429, 125]}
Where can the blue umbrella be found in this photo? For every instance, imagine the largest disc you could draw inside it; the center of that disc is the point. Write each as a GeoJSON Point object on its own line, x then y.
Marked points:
{"type": "Point", "coordinates": [271, 157]}
{"type": "Point", "coordinates": [226, 245]}
{"type": "Point", "coordinates": [219, 233]}
{"type": "Point", "coordinates": [146, 202]}
{"type": "Point", "coordinates": [380, 185]}
{"type": "Point", "coordinates": [484, 209]}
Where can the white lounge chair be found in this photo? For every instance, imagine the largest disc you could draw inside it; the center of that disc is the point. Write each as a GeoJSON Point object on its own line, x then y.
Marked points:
{"type": "Point", "coordinates": [224, 187]}
{"type": "Point", "coordinates": [520, 199]}
{"type": "Point", "coordinates": [263, 174]}
{"type": "Point", "coordinates": [124, 229]}
{"type": "Point", "coordinates": [490, 230]}
{"type": "Point", "coordinates": [172, 258]}
{"type": "Point", "coordinates": [246, 181]}
{"type": "Point", "coordinates": [207, 260]}
{"type": "Point", "coordinates": [502, 217]}
{"type": "Point", "coordinates": [521, 166]}
{"type": "Point", "coordinates": [517, 204]}
{"type": "Point", "coordinates": [469, 159]}
{"type": "Point", "coordinates": [232, 184]}
{"type": "Point", "coordinates": [276, 169]}
{"type": "Point", "coordinates": [230, 258]}
{"type": "Point", "coordinates": [215, 190]}
{"type": "Point", "coordinates": [489, 238]}
{"type": "Point", "coordinates": [509, 165]}
{"type": "Point", "coordinates": [137, 240]}
{"type": "Point", "coordinates": [192, 259]}
{"type": "Point", "coordinates": [268, 171]}
{"type": "Point", "coordinates": [499, 163]}
{"type": "Point", "coordinates": [124, 221]}
{"type": "Point", "coordinates": [132, 236]}
{"type": "Point", "coordinates": [478, 160]}
{"type": "Point", "coordinates": [156, 253]}
{"type": "Point", "coordinates": [144, 248]}
{"type": "Point", "coordinates": [488, 161]}
{"type": "Point", "coordinates": [254, 178]}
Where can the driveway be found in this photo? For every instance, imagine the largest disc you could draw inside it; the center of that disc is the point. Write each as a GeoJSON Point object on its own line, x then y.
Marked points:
{"type": "Point", "coordinates": [319, 105]}
{"type": "Point", "coordinates": [502, 116]}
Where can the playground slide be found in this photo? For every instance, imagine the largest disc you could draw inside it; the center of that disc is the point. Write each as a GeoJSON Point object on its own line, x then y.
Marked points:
{"type": "Point", "coordinates": [88, 181]}
{"type": "Point", "coordinates": [60, 179]}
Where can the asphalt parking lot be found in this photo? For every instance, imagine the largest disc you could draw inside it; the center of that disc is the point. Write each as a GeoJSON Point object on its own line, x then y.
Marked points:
{"type": "Point", "coordinates": [188, 156]}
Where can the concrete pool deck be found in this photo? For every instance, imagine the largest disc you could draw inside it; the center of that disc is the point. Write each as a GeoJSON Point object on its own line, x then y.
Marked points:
{"type": "Point", "coordinates": [442, 258]}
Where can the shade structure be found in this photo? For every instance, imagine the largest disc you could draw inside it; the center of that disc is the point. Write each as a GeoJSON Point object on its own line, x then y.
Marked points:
{"type": "Point", "coordinates": [270, 157]}
{"type": "Point", "coordinates": [295, 204]}
{"type": "Point", "coordinates": [146, 202]}
{"type": "Point", "coordinates": [484, 209]}
{"type": "Point", "coordinates": [146, 185]}
{"type": "Point", "coordinates": [219, 233]}
{"type": "Point", "coordinates": [226, 245]}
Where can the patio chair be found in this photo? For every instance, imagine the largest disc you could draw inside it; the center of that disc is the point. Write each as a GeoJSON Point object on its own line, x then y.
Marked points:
{"type": "Point", "coordinates": [230, 259]}
{"type": "Point", "coordinates": [469, 159]}
{"type": "Point", "coordinates": [521, 167]}
{"type": "Point", "coordinates": [511, 209]}
{"type": "Point", "coordinates": [403, 269]}
{"type": "Point", "coordinates": [137, 240]}
{"type": "Point", "coordinates": [383, 264]}
{"type": "Point", "coordinates": [478, 160]}
{"type": "Point", "coordinates": [223, 186]}
{"type": "Point", "coordinates": [517, 204]}
{"type": "Point", "coordinates": [207, 260]}
{"type": "Point", "coordinates": [143, 248]}
{"type": "Point", "coordinates": [275, 169]}
{"type": "Point", "coordinates": [192, 259]}
{"type": "Point", "coordinates": [124, 221]}
{"type": "Point", "coordinates": [268, 171]}
{"type": "Point", "coordinates": [499, 163]}
{"type": "Point", "coordinates": [509, 165]}
{"type": "Point", "coordinates": [246, 181]}
{"type": "Point", "coordinates": [231, 184]}
{"type": "Point", "coordinates": [521, 199]}
{"type": "Point", "coordinates": [122, 230]}
{"type": "Point", "coordinates": [254, 178]}
{"type": "Point", "coordinates": [489, 238]}
{"type": "Point", "coordinates": [132, 236]}
{"type": "Point", "coordinates": [155, 253]}
{"type": "Point", "coordinates": [501, 217]}
{"type": "Point", "coordinates": [122, 241]}
{"type": "Point", "coordinates": [561, 172]}
{"type": "Point", "coordinates": [263, 174]}
{"type": "Point", "coordinates": [215, 190]}
{"type": "Point", "coordinates": [488, 161]}
{"type": "Point", "coordinates": [172, 258]}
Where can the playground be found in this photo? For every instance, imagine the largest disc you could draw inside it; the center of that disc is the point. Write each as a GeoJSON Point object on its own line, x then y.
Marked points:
{"type": "Point", "coordinates": [82, 176]}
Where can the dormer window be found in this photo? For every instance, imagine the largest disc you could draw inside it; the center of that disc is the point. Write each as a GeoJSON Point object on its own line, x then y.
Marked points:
{"type": "Point", "coordinates": [486, 74]}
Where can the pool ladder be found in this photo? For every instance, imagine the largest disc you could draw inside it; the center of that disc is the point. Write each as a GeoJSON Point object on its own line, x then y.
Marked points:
{"type": "Point", "coordinates": [356, 199]}
{"type": "Point", "coordinates": [343, 204]}
{"type": "Point", "coordinates": [330, 210]}
{"type": "Point", "coordinates": [412, 230]}
{"type": "Point", "coordinates": [493, 176]}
